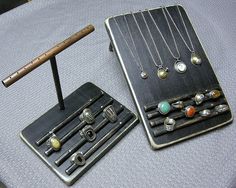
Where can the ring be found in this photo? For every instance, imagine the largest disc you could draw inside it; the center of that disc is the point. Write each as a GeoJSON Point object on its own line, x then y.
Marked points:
{"type": "Point", "coordinates": [190, 111]}
{"type": "Point", "coordinates": [214, 94]}
{"type": "Point", "coordinates": [54, 142]}
{"type": "Point", "coordinates": [221, 108]}
{"type": "Point", "coordinates": [164, 107]}
{"type": "Point", "coordinates": [178, 104]}
{"type": "Point", "coordinates": [110, 113]}
{"type": "Point", "coordinates": [87, 116]}
{"type": "Point", "coordinates": [88, 133]}
{"type": "Point", "coordinates": [199, 98]}
{"type": "Point", "coordinates": [205, 113]}
{"type": "Point", "coordinates": [169, 124]}
{"type": "Point", "coordinates": [78, 158]}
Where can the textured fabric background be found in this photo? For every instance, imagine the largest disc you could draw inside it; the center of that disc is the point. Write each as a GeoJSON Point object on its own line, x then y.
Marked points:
{"type": "Point", "coordinates": [25, 32]}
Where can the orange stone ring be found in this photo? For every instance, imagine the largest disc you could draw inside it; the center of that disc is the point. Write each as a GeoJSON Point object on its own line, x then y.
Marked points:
{"type": "Point", "coordinates": [190, 111]}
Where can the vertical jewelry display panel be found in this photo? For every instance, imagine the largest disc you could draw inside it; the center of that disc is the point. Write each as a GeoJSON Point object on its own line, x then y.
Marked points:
{"type": "Point", "coordinates": [169, 75]}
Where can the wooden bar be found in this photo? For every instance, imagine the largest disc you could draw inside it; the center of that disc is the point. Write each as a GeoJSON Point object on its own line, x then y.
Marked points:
{"type": "Point", "coordinates": [46, 56]}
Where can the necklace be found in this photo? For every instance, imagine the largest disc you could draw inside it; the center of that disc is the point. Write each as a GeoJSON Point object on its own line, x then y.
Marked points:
{"type": "Point", "coordinates": [162, 72]}
{"type": "Point", "coordinates": [195, 58]}
{"type": "Point", "coordinates": [143, 73]}
{"type": "Point", "coordinates": [179, 65]}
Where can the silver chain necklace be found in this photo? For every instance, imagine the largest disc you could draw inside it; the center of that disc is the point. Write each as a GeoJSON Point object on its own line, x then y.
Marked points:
{"type": "Point", "coordinates": [143, 73]}
{"type": "Point", "coordinates": [195, 58]}
{"type": "Point", "coordinates": [162, 72]}
{"type": "Point", "coordinates": [179, 65]}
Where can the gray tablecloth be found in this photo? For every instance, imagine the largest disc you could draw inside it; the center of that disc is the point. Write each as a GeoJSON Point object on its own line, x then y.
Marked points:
{"type": "Point", "coordinates": [25, 32]}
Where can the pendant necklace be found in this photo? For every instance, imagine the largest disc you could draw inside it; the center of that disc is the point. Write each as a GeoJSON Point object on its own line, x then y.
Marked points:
{"type": "Point", "coordinates": [162, 72]}
{"type": "Point", "coordinates": [195, 58]}
{"type": "Point", "coordinates": [137, 59]}
{"type": "Point", "coordinates": [179, 65]}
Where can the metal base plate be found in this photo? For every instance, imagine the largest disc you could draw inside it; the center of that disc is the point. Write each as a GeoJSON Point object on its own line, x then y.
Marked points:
{"type": "Point", "coordinates": [54, 116]}
{"type": "Point", "coordinates": [154, 90]}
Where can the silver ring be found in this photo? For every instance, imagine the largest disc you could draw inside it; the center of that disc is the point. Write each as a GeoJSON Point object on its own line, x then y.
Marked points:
{"type": "Point", "coordinates": [87, 116]}
{"type": "Point", "coordinates": [205, 113]}
{"type": "Point", "coordinates": [78, 158]}
{"type": "Point", "coordinates": [110, 113]}
{"type": "Point", "coordinates": [221, 108]}
{"type": "Point", "coordinates": [88, 133]}
{"type": "Point", "coordinates": [178, 104]}
{"type": "Point", "coordinates": [199, 98]}
{"type": "Point", "coordinates": [169, 124]}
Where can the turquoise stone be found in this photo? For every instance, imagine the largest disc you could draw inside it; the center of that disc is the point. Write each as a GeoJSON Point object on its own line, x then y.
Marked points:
{"type": "Point", "coordinates": [164, 107]}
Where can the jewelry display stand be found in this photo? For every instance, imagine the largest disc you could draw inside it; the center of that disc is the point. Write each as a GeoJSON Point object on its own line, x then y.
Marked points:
{"type": "Point", "coordinates": [73, 135]}
{"type": "Point", "coordinates": [177, 103]}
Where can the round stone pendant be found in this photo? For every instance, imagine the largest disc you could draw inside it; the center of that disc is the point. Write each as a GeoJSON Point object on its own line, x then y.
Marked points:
{"type": "Point", "coordinates": [144, 75]}
{"type": "Point", "coordinates": [162, 73]}
{"type": "Point", "coordinates": [180, 67]}
{"type": "Point", "coordinates": [195, 59]}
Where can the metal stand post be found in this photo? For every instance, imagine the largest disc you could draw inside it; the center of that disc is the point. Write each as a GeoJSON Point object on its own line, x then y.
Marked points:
{"type": "Point", "coordinates": [57, 82]}
{"type": "Point", "coordinates": [110, 47]}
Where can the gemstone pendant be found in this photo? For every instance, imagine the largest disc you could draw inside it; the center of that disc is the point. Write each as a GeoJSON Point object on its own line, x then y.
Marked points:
{"type": "Point", "coordinates": [162, 73]}
{"type": "Point", "coordinates": [180, 66]}
{"type": "Point", "coordinates": [195, 59]}
{"type": "Point", "coordinates": [144, 75]}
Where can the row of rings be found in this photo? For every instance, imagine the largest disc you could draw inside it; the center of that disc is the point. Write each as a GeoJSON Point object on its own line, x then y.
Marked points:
{"type": "Point", "coordinates": [164, 107]}
{"type": "Point", "coordinates": [87, 132]}
{"type": "Point", "coordinates": [170, 123]}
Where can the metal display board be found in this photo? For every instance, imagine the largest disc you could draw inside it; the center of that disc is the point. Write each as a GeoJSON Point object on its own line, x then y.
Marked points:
{"type": "Point", "coordinates": [82, 144]}
{"type": "Point", "coordinates": [177, 103]}
{"type": "Point", "coordinates": [73, 135]}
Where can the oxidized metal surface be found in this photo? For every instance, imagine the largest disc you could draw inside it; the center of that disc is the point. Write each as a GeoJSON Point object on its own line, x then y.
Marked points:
{"type": "Point", "coordinates": [199, 76]}
{"type": "Point", "coordinates": [74, 145]}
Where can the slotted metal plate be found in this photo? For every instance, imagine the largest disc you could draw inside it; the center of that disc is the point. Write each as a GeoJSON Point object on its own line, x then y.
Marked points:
{"type": "Point", "coordinates": [153, 90]}
{"type": "Point", "coordinates": [107, 135]}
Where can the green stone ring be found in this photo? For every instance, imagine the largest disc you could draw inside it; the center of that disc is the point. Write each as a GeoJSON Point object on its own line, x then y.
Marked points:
{"type": "Point", "coordinates": [164, 107]}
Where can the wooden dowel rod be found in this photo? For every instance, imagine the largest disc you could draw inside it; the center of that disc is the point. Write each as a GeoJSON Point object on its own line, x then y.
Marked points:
{"type": "Point", "coordinates": [46, 56]}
